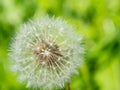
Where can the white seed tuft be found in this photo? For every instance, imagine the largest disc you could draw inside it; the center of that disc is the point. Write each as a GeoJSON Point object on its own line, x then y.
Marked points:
{"type": "Point", "coordinates": [46, 53]}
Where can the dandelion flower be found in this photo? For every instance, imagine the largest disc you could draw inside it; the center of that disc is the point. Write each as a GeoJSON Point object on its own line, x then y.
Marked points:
{"type": "Point", "coordinates": [46, 53]}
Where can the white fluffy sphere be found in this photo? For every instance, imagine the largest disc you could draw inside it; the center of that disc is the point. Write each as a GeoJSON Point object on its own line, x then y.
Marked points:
{"type": "Point", "coordinates": [46, 53]}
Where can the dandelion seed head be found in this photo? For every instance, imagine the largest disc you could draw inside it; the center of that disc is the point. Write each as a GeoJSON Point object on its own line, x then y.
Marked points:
{"type": "Point", "coordinates": [46, 53]}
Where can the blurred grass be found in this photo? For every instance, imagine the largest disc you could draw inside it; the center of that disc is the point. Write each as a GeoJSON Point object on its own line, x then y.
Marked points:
{"type": "Point", "coordinates": [97, 20]}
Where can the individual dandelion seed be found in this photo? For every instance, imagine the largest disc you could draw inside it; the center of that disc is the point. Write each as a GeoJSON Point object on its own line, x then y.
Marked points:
{"type": "Point", "coordinates": [46, 53]}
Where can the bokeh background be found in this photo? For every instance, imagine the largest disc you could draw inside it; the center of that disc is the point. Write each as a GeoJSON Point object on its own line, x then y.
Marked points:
{"type": "Point", "coordinates": [97, 20]}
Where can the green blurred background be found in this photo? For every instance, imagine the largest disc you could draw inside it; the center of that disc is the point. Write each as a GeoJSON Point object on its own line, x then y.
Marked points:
{"type": "Point", "coordinates": [97, 20]}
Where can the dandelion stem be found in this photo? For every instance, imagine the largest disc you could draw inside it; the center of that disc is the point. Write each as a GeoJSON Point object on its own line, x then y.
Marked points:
{"type": "Point", "coordinates": [68, 85]}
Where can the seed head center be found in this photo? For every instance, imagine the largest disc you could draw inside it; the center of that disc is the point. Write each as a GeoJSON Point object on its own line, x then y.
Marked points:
{"type": "Point", "coordinates": [47, 52]}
